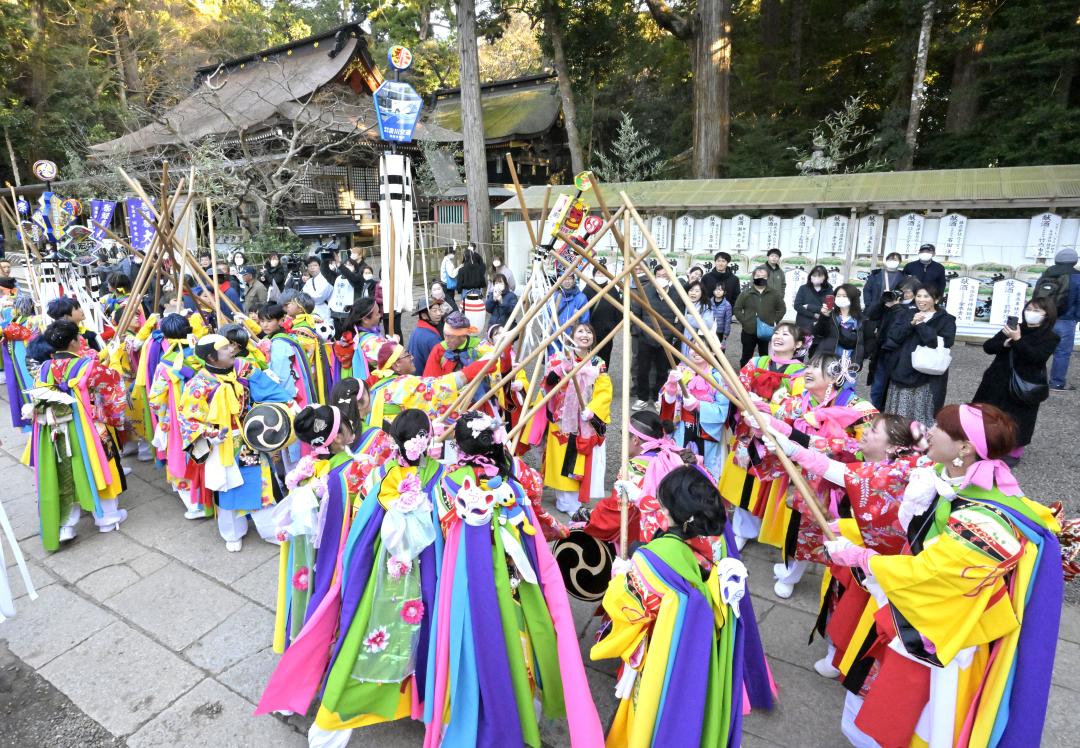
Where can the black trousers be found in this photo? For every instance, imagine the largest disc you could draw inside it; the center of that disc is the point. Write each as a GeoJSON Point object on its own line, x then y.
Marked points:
{"type": "Point", "coordinates": [749, 342]}
{"type": "Point", "coordinates": [649, 360]}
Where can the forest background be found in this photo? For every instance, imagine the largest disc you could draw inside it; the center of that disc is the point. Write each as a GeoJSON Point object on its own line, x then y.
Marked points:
{"type": "Point", "coordinates": [1002, 77]}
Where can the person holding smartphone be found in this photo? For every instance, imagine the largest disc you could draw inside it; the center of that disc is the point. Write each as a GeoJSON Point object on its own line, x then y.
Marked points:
{"type": "Point", "coordinates": [810, 299]}
{"type": "Point", "coordinates": [1021, 348]}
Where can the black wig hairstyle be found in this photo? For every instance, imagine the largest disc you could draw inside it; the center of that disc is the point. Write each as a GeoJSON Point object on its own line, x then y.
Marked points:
{"type": "Point", "coordinates": [175, 326]}
{"type": "Point", "coordinates": [406, 425]}
{"type": "Point", "coordinates": [118, 282]}
{"type": "Point", "coordinates": [39, 349]}
{"type": "Point", "coordinates": [483, 444]}
{"type": "Point", "coordinates": [236, 334]}
{"type": "Point", "coordinates": [345, 396]}
{"type": "Point", "coordinates": [61, 334]}
{"type": "Point", "coordinates": [271, 310]}
{"type": "Point", "coordinates": [360, 309]}
{"type": "Point", "coordinates": [62, 307]}
{"type": "Point", "coordinates": [693, 502]}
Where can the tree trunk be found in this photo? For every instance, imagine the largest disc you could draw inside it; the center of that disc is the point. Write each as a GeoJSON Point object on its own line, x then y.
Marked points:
{"type": "Point", "coordinates": [711, 66]}
{"type": "Point", "coordinates": [424, 23]}
{"type": "Point", "coordinates": [918, 87]}
{"type": "Point", "coordinates": [796, 41]}
{"type": "Point", "coordinates": [566, 92]}
{"type": "Point", "coordinates": [121, 90]}
{"type": "Point", "coordinates": [770, 38]}
{"type": "Point", "coordinates": [38, 68]}
{"type": "Point", "coordinates": [472, 126]}
{"type": "Point", "coordinates": [964, 94]}
{"type": "Point", "coordinates": [11, 157]}
{"type": "Point", "coordinates": [125, 52]}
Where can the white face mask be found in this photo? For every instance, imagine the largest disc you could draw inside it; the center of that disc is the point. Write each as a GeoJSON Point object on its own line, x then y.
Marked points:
{"type": "Point", "coordinates": [499, 287]}
{"type": "Point", "coordinates": [817, 281]}
{"type": "Point", "coordinates": [925, 257]}
{"type": "Point", "coordinates": [663, 282]}
{"type": "Point", "coordinates": [842, 303]}
{"type": "Point", "coordinates": [892, 264]}
{"type": "Point", "coordinates": [1033, 318]}
{"type": "Point", "coordinates": [368, 276]}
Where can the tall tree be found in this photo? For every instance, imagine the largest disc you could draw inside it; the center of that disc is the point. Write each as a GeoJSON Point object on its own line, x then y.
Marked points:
{"type": "Point", "coordinates": [705, 26]}
{"type": "Point", "coordinates": [553, 27]}
{"type": "Point", "coordinates": [918, 86]}
{"type": "Point", "coordinates": [472, 126]}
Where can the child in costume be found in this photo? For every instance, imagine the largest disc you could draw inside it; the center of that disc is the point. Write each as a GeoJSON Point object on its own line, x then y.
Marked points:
{"type": "Point", "coordinates": [357, 347]}
{"type": "Point", "coordinates": [385, 588]}
{"type": "Point", "coordinates": [222, 468]}
{"type": "Point", "coordinates": [698, 411]}
{"type": "Point", "coordinates": [967, 631]}
{"type": "Point", "coordinates": [748, 479]}
{"type": "Point", "coordinates": [677, 629]}
{"type": "Point", "coordinates": [69, 308]}
{"type": "Point", "coordinates": [19, 325]}
{"type": "Point", "coordinates": [576, 419]}
{"type": "Point", "coordinates": [317, 487]}
{"type": "Point", "coordinates": [175, 365]}
{"type": "Point", "coordinates": [301, 325]}
{"type": "Point", "coordinates": [76, 403]}
{"type": "Point", "coordinates": [504, 648]}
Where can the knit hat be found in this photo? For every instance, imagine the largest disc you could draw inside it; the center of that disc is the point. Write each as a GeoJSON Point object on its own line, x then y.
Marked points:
{"type": "Point", "coordinates": [458, 324]}
{"type": "Point", "coordinates": [1067, 255]}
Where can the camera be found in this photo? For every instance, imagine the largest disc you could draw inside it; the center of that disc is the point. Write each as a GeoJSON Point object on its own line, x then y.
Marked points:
{"type": "Point", "coordinates": [889, 296]}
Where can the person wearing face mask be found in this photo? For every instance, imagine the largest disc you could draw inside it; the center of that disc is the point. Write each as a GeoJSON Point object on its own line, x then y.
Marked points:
{"type": "Point", "coordinates": [604, 317]}
{"type": "Point", "coordinates": [500, 301]}
{"type": "Point", "coordinates": [885, 278]}
{"type": "Point", "coordinates": [926, 271]}
{"type": "Point", "coordinates": [762, 304]}
{"type": "Point", "coordinates": [912, 393]}
{"type": "Point", "coordinates": [439, 295]}
{"type": "Point", "coordinates": [275, 274]}
{"type": "Point", "coordinates": [1020, 351]}
{"type": "Point", "coordinates": [498, 269]}
{"type": "Point", "coordinates": [810, 298]}
{"type": "Point", "coordinates": [885, 313]}
{"type": "Point", "coordinates": [840, 331]}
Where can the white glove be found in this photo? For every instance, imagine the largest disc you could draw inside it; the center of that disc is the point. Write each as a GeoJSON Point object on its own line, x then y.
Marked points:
{"type": "Point", "coordinates": [625, 687]}
{"type": "Point", "coordinates": [629, 489]}
{"type": "Point", "coordinates": [690, 402]}
{"type": "Point", "coordinates": [920, 492]}
{"type": "Point", "coordinates": [586, 415]}
{"type": "Point", "coordinates": [517, 386]}
{"type": "Point", "coordinates": [833, 546]}
{"type": "Point", "coordinates": [620, 566]}
{"type": "Point", "coordinates": [752, 420]}
{"type": "Point", "coordinates": [673, 375]}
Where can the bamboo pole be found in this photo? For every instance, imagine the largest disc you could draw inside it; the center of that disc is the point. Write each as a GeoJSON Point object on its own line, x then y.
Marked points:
{"type": "Point", "coordinates": [393, 268]}
{"type": "Point", "coordinates": [521, 200]}
{"type": "Point", "coordinates": [467, 393]}
{"type": "Point", "coordinates": [561, 383]}
{"type": "Point", "coordinates": [213, 259]}
{"type": "Point", "coordinates": [743, 399]}
{"type": "Point", "coordinates": [35, 288]}
{"type": "Point", "coordinates": [530, 393]}
{"type": "Point", "coordinates": [627, 357]}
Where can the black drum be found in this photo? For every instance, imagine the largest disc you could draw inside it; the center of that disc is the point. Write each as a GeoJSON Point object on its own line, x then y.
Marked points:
{"type": "Point", "coordinates": [585, 563]}
{"type": "Point", "coordinates": [268, 427]}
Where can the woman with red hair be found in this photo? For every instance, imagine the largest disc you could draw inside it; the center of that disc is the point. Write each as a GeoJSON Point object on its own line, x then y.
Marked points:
{"type": "Point", "coordinates": [968, 621]}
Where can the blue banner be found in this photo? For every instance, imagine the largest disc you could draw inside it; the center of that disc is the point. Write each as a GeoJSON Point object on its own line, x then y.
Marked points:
{"type": "Point", "coordinates": [140, 229]}
{"type": "Point", "coordinates": [101, 211]}
{"type": "Point", "coordinates": [397, 106]}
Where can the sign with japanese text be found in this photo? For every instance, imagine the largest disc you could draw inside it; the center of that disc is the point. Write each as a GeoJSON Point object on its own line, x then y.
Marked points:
{"type": "Point", "coordinates": [1043, 234]}
{"type": "Point", "coordinates": [101, 211]}
{"type": "Point", "coordinates": [740, 233]}
{"type": "Point", "coordinates": [140, 229]}
{"type": "Point", "coordinates": [963, 296]}
{"type": "Point", "coordinates": [769, 233]}
{"type": "Point", "coordinates": [684, 233]}
{"type": "Point", "coordinates": [909, 228]}
{"type": "Point", "coordinates": [950, 238]}
{"type": "Point", "coordinates": [802, 234]}
{"type": "Point", "coordinates": [710, 233]}
{"type": "Point", "coordinates": [660, 228]}
{"type": "Point", "coordinates": [1008, 300]}
{"type": "Point", "coordinates": [397, 109]}
{"type": "Point", "coordinates": [869, 234]}
{"type": "Point", "coordinates": [836, 228]}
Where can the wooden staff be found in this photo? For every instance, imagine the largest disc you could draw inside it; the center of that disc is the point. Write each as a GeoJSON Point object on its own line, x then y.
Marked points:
{"type": "Point", "coordinates": [561, 383]}
{"type": "Point", "coordinates": [530, 393]}
{"type": "Point", "coordinates": [35, 289]}
{"type": "Point", "coordinates": [213, 259]}
{"type": "Point", "coordinates": [521, 200]}
{"type": "Point", "coordinates": [624, 453]}
{"type": "Point", "coordinates": [393, 267]}
{"type": "Point", "coordinates": [743, 399]}
{"type": "Point", "coordinates": [664, 344]}
{"type": "Point", "coordinates": [467, 393]}
{"type": "Point", "coordinates": [541, 347]}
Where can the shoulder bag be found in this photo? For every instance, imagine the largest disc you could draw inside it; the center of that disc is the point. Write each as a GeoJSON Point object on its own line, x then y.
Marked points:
{"type": "Point", "coordinates": [1023, 390]}
{"type": "Point", "coordinates": [932, 361]}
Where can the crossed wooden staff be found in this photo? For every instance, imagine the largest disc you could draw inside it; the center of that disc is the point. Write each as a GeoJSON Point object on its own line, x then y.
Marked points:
{"type": "Point", "coordinates": [718, 373]}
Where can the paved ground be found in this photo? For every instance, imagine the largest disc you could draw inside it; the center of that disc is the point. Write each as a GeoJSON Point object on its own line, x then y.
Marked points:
{"type": "Point", "coordinates": [155, 636]}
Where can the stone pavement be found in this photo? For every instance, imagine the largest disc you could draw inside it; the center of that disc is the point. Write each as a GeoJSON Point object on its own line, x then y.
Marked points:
{"type": "Point", "coordinates": [163, 638]}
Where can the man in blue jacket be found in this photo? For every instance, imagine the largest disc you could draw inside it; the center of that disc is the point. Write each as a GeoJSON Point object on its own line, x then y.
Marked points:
{"type": "Point", "coordinates": [926, 271]}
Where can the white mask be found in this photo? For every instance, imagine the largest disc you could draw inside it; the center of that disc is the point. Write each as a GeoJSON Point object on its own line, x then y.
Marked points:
{"type": "Point", "coordinates": [892, 264]}
{"type": "Point", "coordinates": [842, 302]}
{"type": "Point", "coordinates": [368, 276]}
{"type": "Point", "coordinates": [817, 281]}
{"type": "Point", "coordinates": [1033, 318]}
{"type": "Point", "coordinates": [499, 287]}
{"type": "Point", "coordinates": [663, 282]}
{"type": "Point", "coordinates": [925, 257]}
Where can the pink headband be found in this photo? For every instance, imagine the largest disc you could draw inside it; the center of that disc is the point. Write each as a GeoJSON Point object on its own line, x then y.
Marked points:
{"type": "Point", "coordinates": [667, 460]}
{"type": "Point", "coordinates": [324, 448]}
{"type": "Point", "coordinates": [985, 472]}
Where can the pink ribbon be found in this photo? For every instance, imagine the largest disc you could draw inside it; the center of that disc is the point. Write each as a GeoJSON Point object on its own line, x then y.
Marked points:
{"type": "Point", "coordinates": [668, 458]}
{"type": "Point", "coordinates": [985, 473]}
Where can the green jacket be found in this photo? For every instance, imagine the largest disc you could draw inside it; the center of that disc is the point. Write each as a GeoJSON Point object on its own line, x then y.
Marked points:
{"type": "Point", "coordinates": [768, 305]}
{"type": "Point", "coordinates": [777, 279]}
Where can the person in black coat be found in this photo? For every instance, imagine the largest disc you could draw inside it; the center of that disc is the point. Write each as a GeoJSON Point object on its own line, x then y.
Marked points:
{"type": "Point", "coordinates": [720, 275]}
{"type": "Point", "coordinates": [274, 272]}
{"type": "Point", "coordinates": [880, 317]}
{"type": "Point", "coordinates": [604, 317]}
{"type": "Point", "coordinates": [810, 298]}
{"type": "Point", "coordinates": [1025, 350]}
{"type": "Point", "coordinates": [471, 277]}
{"type": "Point", "coordinates": [840, 331]}
{"type": "Point", "coordinates": [912, 393]}
{"type": "Point", "coordinates": [929, 273]}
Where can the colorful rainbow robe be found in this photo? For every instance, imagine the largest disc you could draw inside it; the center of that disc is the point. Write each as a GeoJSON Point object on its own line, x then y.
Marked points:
{"type": "Point", "coordinates": [986, 574]}
{"type": "Point", "coordinates": [17, 332]}
{"type": "Point", "coordinates": [673, 628]}
{"type": "Point", "coordinates": [91, 472]}
{"type": "Point", "coordinates": [498, 644]}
